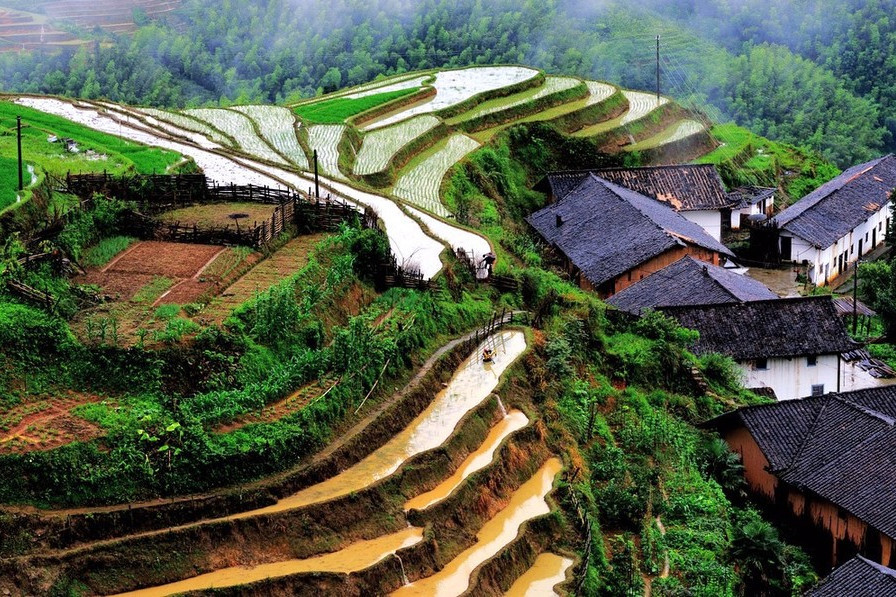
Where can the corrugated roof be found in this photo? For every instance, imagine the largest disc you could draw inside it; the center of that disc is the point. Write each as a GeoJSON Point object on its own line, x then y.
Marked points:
{"type": "Point", "coordinates": [841, 447]}
{"type": "Point", "coordinates": [689, 187]}
{"type": "Point", "coordinates": [858, 577]}
{"type": "Point", "coordinates": [689, 281]}
{"type": "Point", "coordinates": [789, 327]}
{"type": "Point", "coordinates": [838, 206]}
{"type": "Point", "coordinates": [606, 229]}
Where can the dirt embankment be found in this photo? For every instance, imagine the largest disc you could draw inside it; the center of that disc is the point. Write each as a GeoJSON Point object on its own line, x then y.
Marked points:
{"type": "Point", "coordinates": [32, 531]}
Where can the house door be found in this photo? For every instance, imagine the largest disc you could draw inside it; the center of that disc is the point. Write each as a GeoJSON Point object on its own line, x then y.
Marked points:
{"type": "Point", "coordinates": [786, 248]}
{"type": "Point", "coordinates": [860, 246]}
{"type": "Point", "coordinates": [874, 238]}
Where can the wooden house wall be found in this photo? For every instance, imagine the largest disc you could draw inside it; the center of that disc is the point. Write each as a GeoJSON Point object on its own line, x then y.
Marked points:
{"type": "Point", "coordinates": [832, 533]}
{"type": "Point", "coordinates": [650, 266]}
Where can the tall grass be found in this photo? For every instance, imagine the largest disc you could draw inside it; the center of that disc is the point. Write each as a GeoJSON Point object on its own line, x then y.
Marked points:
{"type": "Point", "coordinates": [102, 253]}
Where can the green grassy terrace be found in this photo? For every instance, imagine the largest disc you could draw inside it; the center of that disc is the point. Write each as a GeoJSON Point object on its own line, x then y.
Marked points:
{"type": "Point", "coordinates": [336, 111]}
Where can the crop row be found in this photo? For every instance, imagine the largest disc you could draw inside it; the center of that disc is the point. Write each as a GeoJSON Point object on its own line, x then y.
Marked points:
{"type": "Point", "coordinates": [324, 138]}
{"type": "Point", "coordinates": [278, 127]}
{"type": "Point", "coordinates": [678, 131]}
{"type": "Point", "coordinates": [551, 86]}
{"type": "Point", "coordinates": [640, 105]}
{"type": "Point", "coordinates": [240, 127]}
{"type": "Point", "coordinates": [189, 124]}
{"type": "Point", "coordinates": [454, 87]}
{"type": "Point", "coordinates": [381, 145]}
{"type": "Point", "coordinates": [420, 183]}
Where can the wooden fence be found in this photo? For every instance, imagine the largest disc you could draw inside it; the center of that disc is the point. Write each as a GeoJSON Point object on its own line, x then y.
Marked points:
{"type": "Point", "coordinates": [154, 194]}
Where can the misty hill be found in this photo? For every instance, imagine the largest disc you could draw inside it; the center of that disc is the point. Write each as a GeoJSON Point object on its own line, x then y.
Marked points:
{"type": "Point", "coordinates": [830, 87]}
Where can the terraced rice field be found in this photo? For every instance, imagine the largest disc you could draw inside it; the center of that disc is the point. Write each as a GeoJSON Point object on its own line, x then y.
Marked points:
{"type": "Point", "coordinates": [186, 123]}
{"type": "Point", "coordinates": [597, 93]}
{"type": "Point", "coordinates": [325, 139]}
{"type": "Point", "coordinates": [455, 86]}
{"type": "Point", "coordinates": [640, 105]}
{"type": "Point", "coordinates": [421, 180]}
{"type": "Point", "coordinates": [238, 126]}
{"type": "Point", "coordinates": [676, 132]}
{"type": "Point", "coordinates": [407, 83]}
{"type": "Point", "coordinates": [278, 128]}
{"type": "Point", "coordinates": [381, 145]}
{"type": "Point", "coordinates": [552, 85]}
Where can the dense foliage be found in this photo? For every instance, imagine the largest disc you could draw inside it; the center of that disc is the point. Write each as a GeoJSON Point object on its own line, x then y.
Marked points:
{"type": "Point", "coordinates": [829, 87]}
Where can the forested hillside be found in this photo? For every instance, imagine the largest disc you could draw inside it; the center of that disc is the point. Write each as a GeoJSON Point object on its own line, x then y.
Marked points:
{"type": "Point", "coordinates": [769, 66]}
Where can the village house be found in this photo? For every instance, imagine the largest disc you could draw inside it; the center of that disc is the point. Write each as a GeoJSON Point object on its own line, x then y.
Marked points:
{"type": "Point", "coordinates": [827, 466]}
{"type": "Point", "coordinates": [792, 346]}
{"type": "Point", "coordinates": [610, 237]}
{"type": "Point", "coordinates": [695, 190]}
{"type": "Point", "coordinates": [751, 202]}
{"type": "Point", "coordinates": [835, 225]}
{"type": "Point", "coordinates": [859, 576]}
{"type": "Point", "coordinates": [689, 282]}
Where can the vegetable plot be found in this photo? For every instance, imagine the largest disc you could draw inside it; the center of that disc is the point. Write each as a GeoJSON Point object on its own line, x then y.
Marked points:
{"type": "Point", "coordinates": [381, 145]}
{"type": "Point", "coordinates": [238, 126]}
{"type": "Point", "coordinates": [420, 183]}
{"type": "Point", "coordinates": [278, 127]}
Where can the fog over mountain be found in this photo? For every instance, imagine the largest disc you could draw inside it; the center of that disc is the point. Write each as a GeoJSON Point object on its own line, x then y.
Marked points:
{"type": "Point", "coordinates": [813, 72]}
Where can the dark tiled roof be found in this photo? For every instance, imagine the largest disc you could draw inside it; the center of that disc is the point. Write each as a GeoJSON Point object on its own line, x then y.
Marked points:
{"type": "Point", "coordinates": [857, 578]}
{"type": "Point", "coordinates": [607, 230]}
{"type": "Point", "coordinates": [745, 196]}
{"type": "Point", "coordinates": [782, 328]}
{"type": "Point", "coordinates": [689, 281]}
{"type": "Point", "coordinates": [779, 428]}
{"type": "Point", "coordinates": [841, 447]}
{"type": "Point", "coordinates": [838, 206]}
{"type": "Point", "coordinates": [685, 188]}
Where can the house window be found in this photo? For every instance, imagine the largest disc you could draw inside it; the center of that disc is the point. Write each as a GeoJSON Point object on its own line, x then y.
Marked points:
{"type": "Point", "coordinates": [866, 237]}
{"type": "Point", "coordinates": [761, 364]}
{"type": "Point", "coordinates": [811, 361]}
{"type": "Point", "coordinates": [818, 390]}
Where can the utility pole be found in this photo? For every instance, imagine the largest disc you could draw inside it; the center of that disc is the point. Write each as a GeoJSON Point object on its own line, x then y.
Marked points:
{"type": "Point", "coordinates": [657, 70]}
{"type": "Point", "coordinates": [316, 180]}
{"type": "Point", "coordinates": [19, 144]}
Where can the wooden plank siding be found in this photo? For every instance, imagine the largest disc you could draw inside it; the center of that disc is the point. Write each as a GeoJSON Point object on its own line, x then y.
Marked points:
{"type": "Point", "coordinates": [832, 534]}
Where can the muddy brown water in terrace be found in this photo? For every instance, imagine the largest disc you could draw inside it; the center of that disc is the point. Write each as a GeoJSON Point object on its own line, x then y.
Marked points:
{"type": "Point", "coordinates": [357, 556]}
{"type": "Point", "coordinates": [548, 571]}
{"type": "Point", "coordinates": [526, 503]}
{"type": "Point", "coordinates": [476, 461]}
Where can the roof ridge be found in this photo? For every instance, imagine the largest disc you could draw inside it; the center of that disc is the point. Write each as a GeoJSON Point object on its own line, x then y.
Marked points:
{"type": "Point", "coordinates": [807, 435]}
{"type": "Point", "coordinates": [879, 567]}
{"type": "Point", "coordinates": [867, 410]}
{"type": "Point", "coordinates": [614, 188]}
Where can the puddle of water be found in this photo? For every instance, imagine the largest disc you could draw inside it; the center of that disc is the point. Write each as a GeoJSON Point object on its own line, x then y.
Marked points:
{"type": "Point", "coordinates": [478, 460]}
{"type": "Point", "coordinates": [471, 384]}
{"type": "Point", "coordinates": [357, 556]}
{"type": "Point", "coordinates": [539, 580]}
{"type": "Point", "coordinates": [526, 503]}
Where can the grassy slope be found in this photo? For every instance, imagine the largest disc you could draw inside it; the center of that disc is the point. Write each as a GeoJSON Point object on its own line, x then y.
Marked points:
{"type": "Point", "coordinates": [745, 158]}
{"type": "Point", "coordinates": [122, 155]}
{"type": "Point", "coordinates": [336, 111]}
